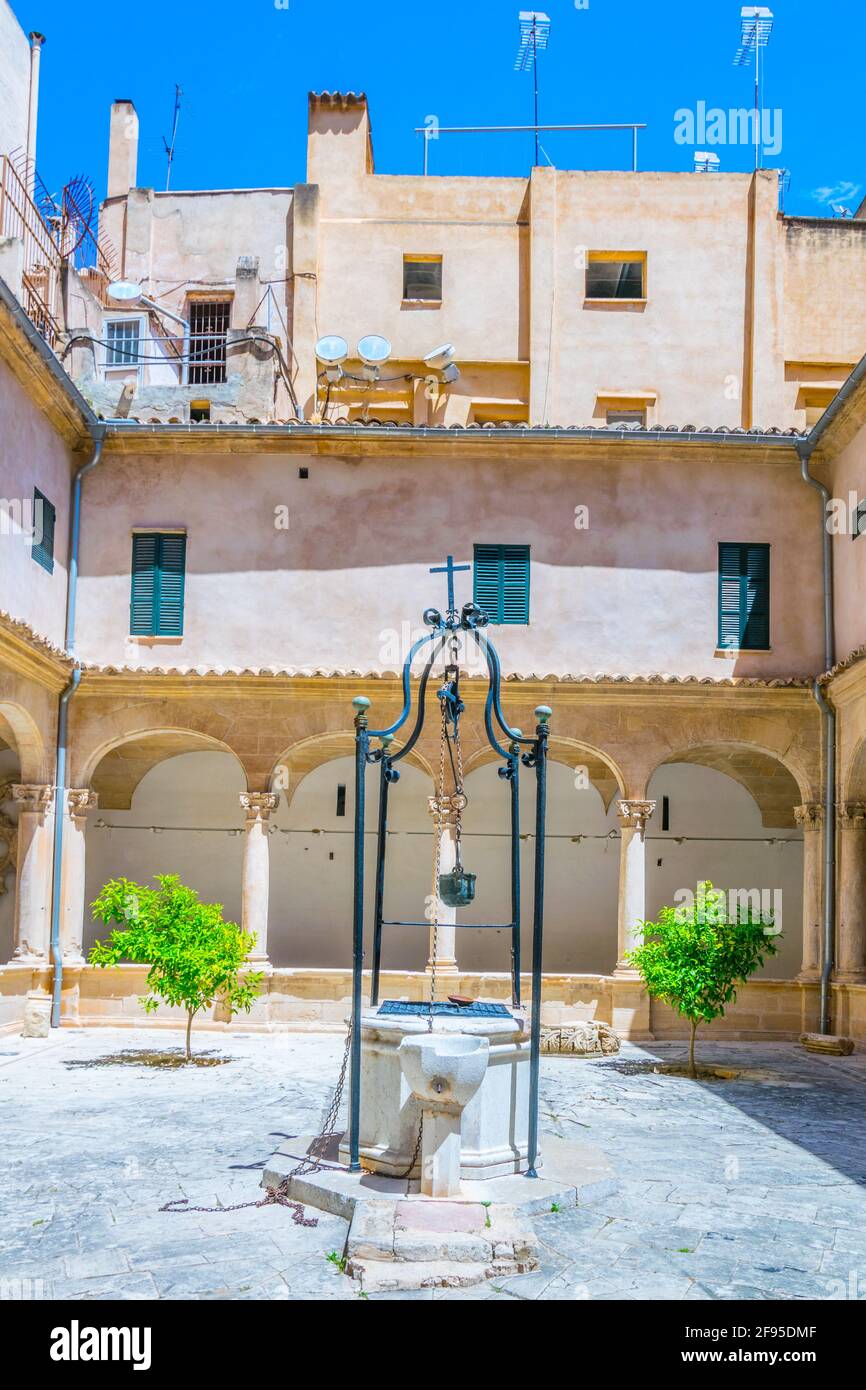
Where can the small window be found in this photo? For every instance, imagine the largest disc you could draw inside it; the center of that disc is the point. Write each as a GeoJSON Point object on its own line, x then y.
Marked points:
{"type": "Point", "coordinates": [626, 417]}
{"type": "Point", "coordinates": [616, 276]}
{"type": "Point", "coordinates": [123, 343]}
{"type": "Point", "coordinates": [199, 412]}
{"type": "Point", "coordinates": [208, 325]}
{"type": "Point", "coordinates": [341, 798]}
{"type": "Point", "coordinates": [158, 579]}
{"type": "Point", "coordinates": [422, 278]}
{"type": "Point", "coordinates": [44, 517]}
{"type": "Point", "coordinates": [744, 597]}
{"type": "Point", "coordinates": [501, 582]}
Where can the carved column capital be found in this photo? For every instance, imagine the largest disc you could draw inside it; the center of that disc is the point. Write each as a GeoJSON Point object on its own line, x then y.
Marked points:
{"type": "Point", "coordinates": [809, 816]}
{"type": "Point", "coordinates": [634, 815]}
{"type": "Point", "coordinates": [33, 797]}
{"type": "Point", "coordinates": [259, 805]}
{"type": "Point", "coordinates": [852, 815]}
{"type": "Point", "coordinates": [80, 801]}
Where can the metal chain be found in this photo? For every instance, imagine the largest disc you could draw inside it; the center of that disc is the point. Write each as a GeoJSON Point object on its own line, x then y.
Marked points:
{"type": "Point", "coordinates": [310, 1163]}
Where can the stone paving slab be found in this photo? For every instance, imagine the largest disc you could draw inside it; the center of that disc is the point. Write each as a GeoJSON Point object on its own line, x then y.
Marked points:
{"type": "Point", "coordinates": [731, 1189]}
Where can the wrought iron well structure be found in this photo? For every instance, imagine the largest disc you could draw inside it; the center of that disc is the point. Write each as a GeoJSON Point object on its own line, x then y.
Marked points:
{"type": "Point", "coordinates": [516, 750]}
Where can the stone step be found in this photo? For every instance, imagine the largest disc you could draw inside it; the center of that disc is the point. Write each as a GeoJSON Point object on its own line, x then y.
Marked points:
{"type": "Point", "coordinates": [381, 1276]}
{"type": "Point", "coordinates": [420, 1242]}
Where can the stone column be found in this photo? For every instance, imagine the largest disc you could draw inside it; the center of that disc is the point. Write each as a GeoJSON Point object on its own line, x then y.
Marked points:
{"type": "Point", "coordinates": [79, 802]}
{"type": "Point", "coordinates": [810, 819]}
{"type": "Point", "coordinates": [257, 870]}
{"type": "Point", "coordinates": [443, 949]}
{"type": "Point", "coordinates": [851, 939]}
{"type": "Point", "coordinates": [633, 816]}
{"type": "Point", "coordinates": [34, 867]}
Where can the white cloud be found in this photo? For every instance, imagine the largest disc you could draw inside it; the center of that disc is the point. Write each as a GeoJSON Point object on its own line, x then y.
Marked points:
{"type": "Point", "coordinates": [842, 192]}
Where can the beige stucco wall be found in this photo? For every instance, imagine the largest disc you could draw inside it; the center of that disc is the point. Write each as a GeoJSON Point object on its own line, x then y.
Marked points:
{"type": "Point", "coordinates": [14, 81]}
{"type": "Point", "coordinates": [345, 584]}
{"type": "Point", "coordinates": [848, 476]}
{"type": "Point", "coordinates": [32, 455]}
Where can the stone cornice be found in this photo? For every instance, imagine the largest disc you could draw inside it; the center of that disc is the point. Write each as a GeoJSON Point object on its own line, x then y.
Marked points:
{"type": "Point", "coordinates": [41, 376]}
{"type": "Point", "coordinates": [193, 683]}
{"type": "Point", "coordinates": [25, 652]}
{"type": "Point", "coordinates": [405, 442]}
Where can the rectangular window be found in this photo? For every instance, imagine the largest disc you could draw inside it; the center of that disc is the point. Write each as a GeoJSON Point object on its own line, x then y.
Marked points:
{"type": "Point", "coordinates": [422, 278]}
{"type": "Point", "coordinates": [158, 575]}
{"type": "Point", "coordinates": [744, 596]}
{"type": "Point", "coordinates": [208, 324]}
{"type": "Point", "coordinates": [44, 517]}
{"type": "Point", "coordinates": [122, 343]}
{"type": "Point", "coordinates": [616, 275]}
{"type": "Point", "coordinates": [501, 582]}
{"type": "Point", "coordinates": [626, 417]}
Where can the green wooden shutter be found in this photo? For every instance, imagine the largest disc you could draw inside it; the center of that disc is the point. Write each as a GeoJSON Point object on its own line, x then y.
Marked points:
{"type": "Point", "coordinates": [487, 589]}
{"type": "Point", "coordinates": [172, 566]}
{"type": "Point", "coordinates": [158, 575]}
{"type": "Point", "coordinates": [501, 582]}
{"type": "Point", "coordinates": [43, 549]}
{"type": "Point", "coordinates": [744, 596]}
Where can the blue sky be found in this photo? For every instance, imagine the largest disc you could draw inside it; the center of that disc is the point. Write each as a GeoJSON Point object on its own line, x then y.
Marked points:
{"type": "Point", "coordinates": [246, 69]}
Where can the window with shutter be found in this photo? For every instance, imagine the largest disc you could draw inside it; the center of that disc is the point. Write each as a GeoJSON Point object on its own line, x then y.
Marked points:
{"type": "Point", "coordinates": [501, 582]}
{"type": "Point", "coordinates": [44, 517]}
{"type": "Point", "coordinates": [158, 574]}
{"type": "Point", "coordinates": [744, 596]}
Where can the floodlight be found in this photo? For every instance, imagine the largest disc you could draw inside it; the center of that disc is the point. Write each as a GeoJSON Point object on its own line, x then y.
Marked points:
{"type": "Point", "coordinates": [332, 351]}
{"type": "Point", "coordinates": [440, 357]}
{"type": "Point", "coordinates": [756, 23]}
{"type": "Point", "coordinates": [374, 351]}
{"type": "Point", "coordinates": [125, 290]}
{"type": "Point", "coordinates": [706, 163]}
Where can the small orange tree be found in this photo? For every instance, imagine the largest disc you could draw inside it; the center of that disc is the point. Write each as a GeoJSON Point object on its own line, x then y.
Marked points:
{"type": "Point", "coordinates": [694, 957]}
{"type": "Point", "coordinates": [194, 955]}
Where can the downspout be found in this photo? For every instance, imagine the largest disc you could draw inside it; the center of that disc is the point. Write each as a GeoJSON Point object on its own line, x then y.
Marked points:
{"type": "Point", "coordinates": [63, 725]}
{"type": "Point", "coordinates": [829, 720]}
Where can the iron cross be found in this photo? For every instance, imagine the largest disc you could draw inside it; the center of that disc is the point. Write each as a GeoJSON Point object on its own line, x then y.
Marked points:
{"type": "Point", "coordinates": [450, 569]}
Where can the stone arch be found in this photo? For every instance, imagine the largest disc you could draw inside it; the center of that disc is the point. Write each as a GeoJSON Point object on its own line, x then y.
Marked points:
{"type": "Point", "coordinates": [777, 784]}
{"type": "Point", "coordinates": [303, 757]}
{"type": "Point", "coordinates": [117, 767]}
{"type": "Point", "coordinates": [603, 772]}
{"type": "Point", "coordinates": [854, 775]}
{"type": "Point", "coordinates": [19, 730]}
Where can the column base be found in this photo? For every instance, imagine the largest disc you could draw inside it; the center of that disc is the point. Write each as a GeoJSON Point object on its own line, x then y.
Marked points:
{"type": "Point", "coordinates": [849, 977]}
{"type": "Point", "coordinates": [30, 962]}
{"type": "Point", "coordinates": [810, 976]}
{"type": "Point", "coordinates": [623, 971]}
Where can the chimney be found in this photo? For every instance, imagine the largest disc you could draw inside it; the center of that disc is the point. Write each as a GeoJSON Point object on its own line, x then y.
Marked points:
{"type": "Point", "coordinates": [36, 42]}
{"type": "Point", "coordinates": [122, 148]}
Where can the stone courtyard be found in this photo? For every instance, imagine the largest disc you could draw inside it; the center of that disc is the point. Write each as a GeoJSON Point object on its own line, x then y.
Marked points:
{"type": "Point", "coordinates": [747, 1187]}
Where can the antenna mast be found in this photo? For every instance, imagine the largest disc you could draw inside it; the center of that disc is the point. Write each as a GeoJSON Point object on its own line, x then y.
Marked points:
{"type": "Point", "coordinates": [534, 36]}
{"type": "Point", "coordinates": [169, 148]}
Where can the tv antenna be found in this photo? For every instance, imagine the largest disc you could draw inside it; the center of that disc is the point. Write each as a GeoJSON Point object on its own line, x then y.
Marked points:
{"type": "Point", "coordinates": [169, 148]}
{"type": "Point", "coordinates": [756, 23]}
{"type": "Point", "coordinates": [534, 36]}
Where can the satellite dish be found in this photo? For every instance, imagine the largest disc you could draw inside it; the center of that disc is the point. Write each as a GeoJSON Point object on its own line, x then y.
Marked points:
{"type": "Point", "coordinates": [441, 356]}
{"type": "Point", "coordinates": [332, 350]}
{"type": "Point", "coordinates": [125, 290]}
{"type": "Point", "coordinates": [374, 350]}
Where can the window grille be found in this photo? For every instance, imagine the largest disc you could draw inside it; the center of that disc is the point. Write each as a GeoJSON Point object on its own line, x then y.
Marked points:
{"type": "Point", "coordinates": [209, 322]}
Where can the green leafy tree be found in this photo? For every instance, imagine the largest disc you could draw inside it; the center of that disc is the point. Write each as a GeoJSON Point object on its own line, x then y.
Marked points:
{"type": "Point", "coordinates": [695, 956]}
{"type": "Point", "coordinates": [194, 955]}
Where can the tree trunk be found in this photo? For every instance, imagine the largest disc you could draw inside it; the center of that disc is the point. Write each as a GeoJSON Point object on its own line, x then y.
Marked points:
{"type": "Point", "coordinates": [190, 1015]}
{"type": "Point", "coordinates": [692, 1068]}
